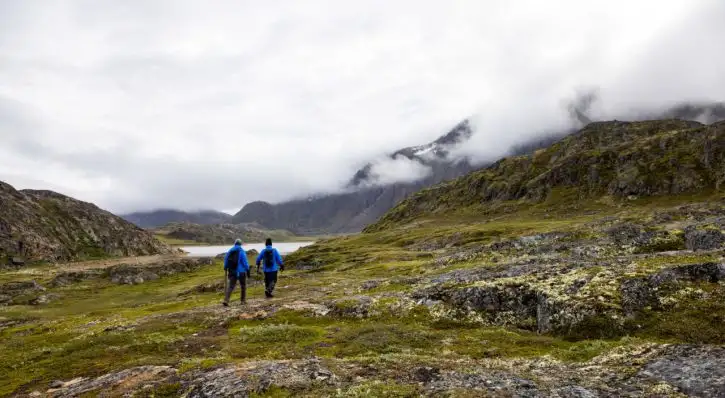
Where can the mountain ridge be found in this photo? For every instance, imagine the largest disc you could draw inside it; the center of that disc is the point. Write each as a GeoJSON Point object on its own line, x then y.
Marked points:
{"type": "Point", "coordinates": [619, 159]}
{"type": "Point", "coordinates": [42, 225]}
{"type": "Point", "coordinates": [160, 217]}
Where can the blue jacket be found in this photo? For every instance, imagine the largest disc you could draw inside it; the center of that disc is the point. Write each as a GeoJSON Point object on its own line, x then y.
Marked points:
{"type": "Point", "coordinates": [243, 264]}
{"type": "Point", "coordinates": [277, 259]}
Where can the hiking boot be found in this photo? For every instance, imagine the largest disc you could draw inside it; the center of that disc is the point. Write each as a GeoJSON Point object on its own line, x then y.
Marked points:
{"type": "Point", "coordinates": [225, 304]}
{"type": "Point", "coordinates": [243, 302]}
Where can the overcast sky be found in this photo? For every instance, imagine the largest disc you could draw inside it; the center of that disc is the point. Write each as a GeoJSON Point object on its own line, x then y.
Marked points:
{"type": "Point", "coordinates": [136, 105]}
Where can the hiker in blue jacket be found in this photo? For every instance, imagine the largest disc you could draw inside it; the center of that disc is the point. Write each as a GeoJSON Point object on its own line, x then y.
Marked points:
{"type": "Point", "coordinates": [236, 268]}
{"type": "Point", "coordinates": [272, 264]}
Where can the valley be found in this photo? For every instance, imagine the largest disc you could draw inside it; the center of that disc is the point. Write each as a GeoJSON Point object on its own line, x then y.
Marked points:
{"type": "Point", "coordinates": [592, 268]}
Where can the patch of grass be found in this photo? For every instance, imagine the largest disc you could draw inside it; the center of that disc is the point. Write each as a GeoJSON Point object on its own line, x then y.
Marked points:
{"type": "Point", "coordinates": [272, 340]}
{"type": "Point", "coordinates": [272, 392]}
{"type": "Point", "coordinates": [169, 390]}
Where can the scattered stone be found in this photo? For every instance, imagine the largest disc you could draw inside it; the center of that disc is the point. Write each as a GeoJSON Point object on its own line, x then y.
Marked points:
{"type": "Point", "coordinates": [257, 315]}
{"type": "Point", "coordinates": [299, 305]}
{"type": "Point", "coordinates": [426, 374]}
{"type": "Point", "coordinates": [371, 284]}
{"type": "Point", "coordinates": [71, 277]}
{"type": "Point", "coordinates": [44, 299]}
{"type": "Point", "coordinates": [574, 392]}
{"type": "Point", "coordinates": [502, 384]}
{"type": "Point", "coordinates": [355, 307]}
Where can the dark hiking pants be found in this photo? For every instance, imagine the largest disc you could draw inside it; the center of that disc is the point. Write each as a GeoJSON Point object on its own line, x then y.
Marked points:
{"type": "Point", "coordinates": [232, 279]}
{"type": "Point", "coordinates": [270, 279]}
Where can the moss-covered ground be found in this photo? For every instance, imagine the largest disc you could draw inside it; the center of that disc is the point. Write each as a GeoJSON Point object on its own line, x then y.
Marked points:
{"type": "Point", "coordinates": [349, 299]}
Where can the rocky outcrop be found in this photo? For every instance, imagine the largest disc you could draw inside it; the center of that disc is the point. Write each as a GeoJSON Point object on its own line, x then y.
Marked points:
{"type": "Point", "coordinates": [47, 226]}
{"type": "Point", "coordinates": [220, 234]}
{"type": "Point", "coordinates": [551, 299]}
{"type": "Point", "coordinates": [228, 381]}
{"type": "Point", "coordinates": [132, 274]}
{"type": "Point", "coordinates": [696, 371]}
{"type": "Point", "coordinates": [704, 238]}
{"type": "Point", "coordinates": [10, 291]}
{"type": "Point", "coordinates": [643, 292]}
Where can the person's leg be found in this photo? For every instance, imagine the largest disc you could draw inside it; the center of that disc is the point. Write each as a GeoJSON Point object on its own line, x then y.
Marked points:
{"type": "Point", "coordinates": [266, 283]}
{"type": "Point", "coordinates": [272, 282]}
{"type": "Point", "coordinates": [243, 285]}
{"type": "Point", "coordinates": [232, 279]}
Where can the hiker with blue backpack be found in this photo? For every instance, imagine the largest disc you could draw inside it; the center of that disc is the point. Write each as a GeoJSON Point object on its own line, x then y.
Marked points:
{"type": "Point", "coordinates": [236, 268]}
{"type": "Point", "coordinates": [272, 263]}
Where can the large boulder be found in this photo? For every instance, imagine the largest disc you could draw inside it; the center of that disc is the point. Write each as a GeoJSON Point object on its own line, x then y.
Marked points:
{"type": "Point", "coordinates": [704, 239]}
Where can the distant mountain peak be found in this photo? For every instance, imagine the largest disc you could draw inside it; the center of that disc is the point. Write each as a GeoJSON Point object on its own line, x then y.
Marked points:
{"type": "Point", "coordinates": [433, 152]}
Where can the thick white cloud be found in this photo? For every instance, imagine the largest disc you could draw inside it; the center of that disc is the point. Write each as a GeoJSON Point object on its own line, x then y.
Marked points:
{"type": "Point", "coordinates": [142, 104]}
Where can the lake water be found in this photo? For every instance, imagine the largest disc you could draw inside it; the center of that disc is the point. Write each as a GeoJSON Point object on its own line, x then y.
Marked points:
{"type": "Point", "coordinates": [210, 251]}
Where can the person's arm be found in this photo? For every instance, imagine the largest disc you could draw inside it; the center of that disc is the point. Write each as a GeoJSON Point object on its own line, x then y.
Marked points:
{"type": "Point", "coordinates": [245, 262]}
{"type": "Point", "coordinates": [226, 257]}
{"type": "Point", "coordinates": [278, 258]}
{"type": "Point", "coordinates": [259, 258]}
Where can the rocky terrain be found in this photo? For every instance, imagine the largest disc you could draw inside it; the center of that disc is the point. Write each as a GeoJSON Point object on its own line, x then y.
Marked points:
{"type": "Point", "coordinates": [47, 226]}
{"type": "Point", "coordinates": [219, 234]}
{"type": "Point", "coordinates": [553, 289]}
{"type": "Point", "coordinates": [161, 217]}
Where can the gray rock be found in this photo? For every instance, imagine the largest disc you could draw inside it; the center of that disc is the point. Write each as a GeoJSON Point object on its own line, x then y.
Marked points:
{"type": "Point", "coordinates": [10, 290]}
{"type": "Point", "coordinates": [44, 299]}
{"type": "Point", "coordinates": [68, 278]}
{"type": "Point", "coordinates": [371, 284]}
{"type": "Point", "coordinates": [132, 379]}
{"type": "Point", "coordinates": [697, 371]}
{"type": "Point", "coordinates": [575, 392]}
{"type": "Point", "coordinates": [256, 377]}
{"type": "Point", "coordinates": [355, 307]}
{"type": "Point", "coordinates": [704, 239]}
{"type": "Point", "coordinates": [502, 384]}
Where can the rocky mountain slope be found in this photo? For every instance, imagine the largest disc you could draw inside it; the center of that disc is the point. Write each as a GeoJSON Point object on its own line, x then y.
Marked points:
{"type": "Point", "coordinates": [161, 217]}
{"type": "Point", "coordinates": [219, 234]}
{"type": "Point", "coordinates": [47, 226]}
{"type": "Point", "coordinates": [593, 268]}
{"type": "Point", "coordinates": [605, 159]}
